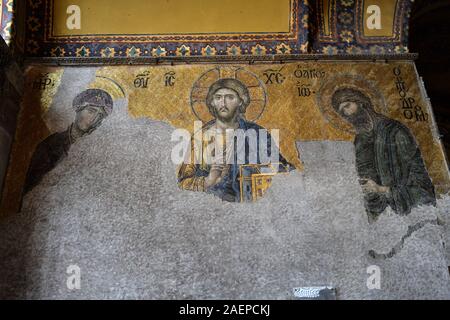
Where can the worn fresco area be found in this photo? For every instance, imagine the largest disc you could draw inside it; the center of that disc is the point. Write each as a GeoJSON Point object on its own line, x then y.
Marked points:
{"type": "Point", "coordinates": [109, 199]}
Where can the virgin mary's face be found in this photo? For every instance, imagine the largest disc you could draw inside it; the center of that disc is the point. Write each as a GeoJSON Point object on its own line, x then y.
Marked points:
{"type": "Point", "coordinates": [88, 117]}
{"type": "Point", "coordinates": [226, 103]}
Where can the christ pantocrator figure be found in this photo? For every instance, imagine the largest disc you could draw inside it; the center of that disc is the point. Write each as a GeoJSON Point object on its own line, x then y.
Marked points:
{"type": "Point", "coordinates": [227, 101]}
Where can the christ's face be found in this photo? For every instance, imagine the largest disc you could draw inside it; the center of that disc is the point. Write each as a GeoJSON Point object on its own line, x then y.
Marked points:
{"type": "Point", "coordinates": [226, 103]}
{"type": "Point", "coordinates": [89, 117]}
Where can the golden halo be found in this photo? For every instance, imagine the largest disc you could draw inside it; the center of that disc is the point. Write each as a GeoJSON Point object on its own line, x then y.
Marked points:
{"type": "Point", "coordinates": [345, 80]}
{"type": "Point", "coordinates": [256, 89]}
{"type": "Point", "coordinates": [109, 85]}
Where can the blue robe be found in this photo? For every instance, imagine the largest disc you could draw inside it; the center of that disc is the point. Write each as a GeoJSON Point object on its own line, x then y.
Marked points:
{"type": "Point", "coordinates": [228, 189]}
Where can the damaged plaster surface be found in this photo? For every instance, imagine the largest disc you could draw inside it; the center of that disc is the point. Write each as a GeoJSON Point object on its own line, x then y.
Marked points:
{"type": "Point", "coordinates": [113, 208]}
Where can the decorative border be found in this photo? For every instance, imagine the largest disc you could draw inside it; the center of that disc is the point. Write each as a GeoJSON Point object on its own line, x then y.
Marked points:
{"type": "Point", "coordinates": [41, 43]}
{"type": "Point", "coordinates": [248, 59]}
{"type": "Point", "coordinates": [400, 9]}
{"type": "Point", "coordinates": [292, 35]}
{"type": "Point", "coordinates": [349, 37]}
{"type": "Point", "coordinates": [333, 21]}
{"type": "Point", "coordinates": [346, 37]}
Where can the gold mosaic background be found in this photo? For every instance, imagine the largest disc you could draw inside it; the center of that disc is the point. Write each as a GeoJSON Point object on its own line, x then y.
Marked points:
{"type": "Point", "coordinates": [298, 117]}
{"type": "Point", "coordinates": [158, 17]}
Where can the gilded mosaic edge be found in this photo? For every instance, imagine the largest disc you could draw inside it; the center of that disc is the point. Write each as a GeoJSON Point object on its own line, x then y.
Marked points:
{"type": "Point", "coordinates": [62, 61]}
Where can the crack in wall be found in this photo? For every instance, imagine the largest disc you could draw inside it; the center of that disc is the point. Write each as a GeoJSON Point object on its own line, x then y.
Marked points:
{"type": "Point", "coordinates": [399, 246]}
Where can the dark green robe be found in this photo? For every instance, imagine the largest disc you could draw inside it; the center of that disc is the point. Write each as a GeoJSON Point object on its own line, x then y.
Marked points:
{"type": "Point", "coordinates": [389, 155]}
{"type": "Point", "coordinates": [46, 156]}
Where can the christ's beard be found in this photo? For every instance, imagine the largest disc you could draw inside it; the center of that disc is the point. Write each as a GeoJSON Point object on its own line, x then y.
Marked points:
{"type": "Point", "coordinates": [228, 117]}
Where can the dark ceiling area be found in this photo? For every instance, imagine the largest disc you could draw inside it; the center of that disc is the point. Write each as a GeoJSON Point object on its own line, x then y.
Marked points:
{"type": "Point", "coordinates": [430, 38]}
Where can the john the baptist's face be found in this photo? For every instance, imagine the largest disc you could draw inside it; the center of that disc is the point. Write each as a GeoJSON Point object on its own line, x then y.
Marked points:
{"type": "Point", "coordinates": [89, 117]}
{"type": "Point", "coordinates": [226, 103]}
{"type": "Point", "coordinates": [353, 113]}
{"type": "Point", "coordinates": [348, 108]}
